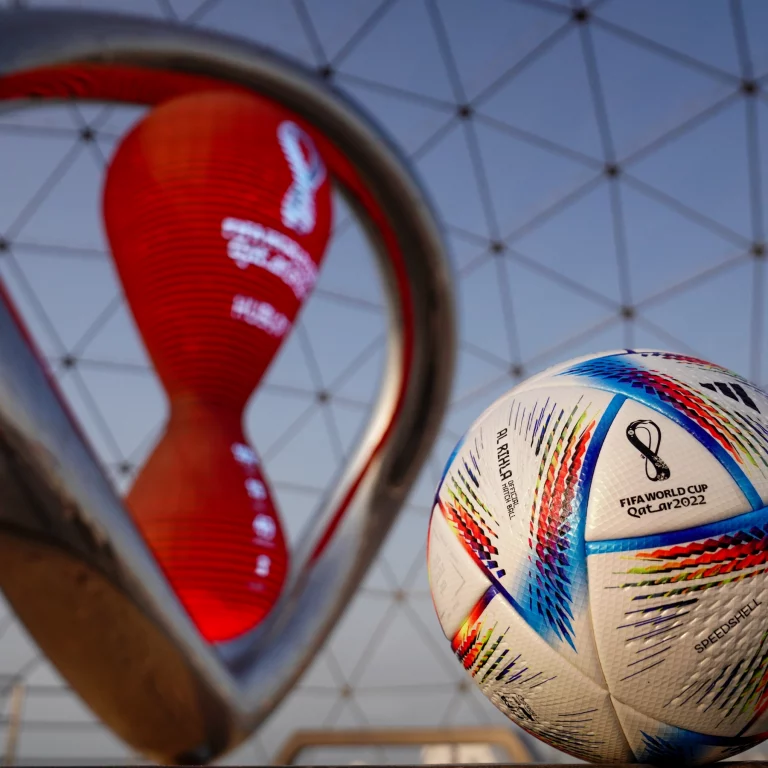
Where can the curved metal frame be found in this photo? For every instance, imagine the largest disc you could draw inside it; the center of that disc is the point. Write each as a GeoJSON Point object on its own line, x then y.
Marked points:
{"type": "Point", "coordinates": [497, 736]}
{"type": "Point", "coordinates": [251, 676]}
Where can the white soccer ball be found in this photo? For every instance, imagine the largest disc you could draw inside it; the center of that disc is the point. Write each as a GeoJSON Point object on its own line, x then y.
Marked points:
{"type": "Point", "coordinates": [598, 558]}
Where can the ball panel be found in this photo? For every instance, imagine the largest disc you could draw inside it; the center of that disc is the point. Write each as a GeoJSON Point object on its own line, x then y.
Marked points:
{"type": "Point", "coordinates": [547, 376]}
{"type": "Point", "coordinates": [653, 475]}
{"type": "Point", "coordinates": [515, 494]}
{"type": "Point", "coordinates": [662, 744]}
{"type": "Point", "coordinates": [455, 581]}
{"type": "Point", "coordinates": [691, 392]}
{"type": "Point", "coordinates": [535, 686]}
{"type": "Point", "coordinates": [681, 623]}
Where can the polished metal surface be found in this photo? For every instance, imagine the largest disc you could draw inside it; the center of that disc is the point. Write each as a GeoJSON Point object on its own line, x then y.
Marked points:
{"type": "Point", "coordinates": [72, 564]}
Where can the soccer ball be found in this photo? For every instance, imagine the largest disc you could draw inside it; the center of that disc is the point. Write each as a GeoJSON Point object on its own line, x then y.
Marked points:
{"type": "Point", "coordinates": [598, 558]}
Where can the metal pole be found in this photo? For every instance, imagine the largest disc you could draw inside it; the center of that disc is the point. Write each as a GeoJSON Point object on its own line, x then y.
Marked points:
{"type": "Point", "coordinates": [14, 723]}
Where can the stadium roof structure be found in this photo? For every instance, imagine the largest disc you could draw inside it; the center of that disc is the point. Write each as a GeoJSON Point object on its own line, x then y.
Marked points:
{"type": "Point", "coordinates": [599, 169]}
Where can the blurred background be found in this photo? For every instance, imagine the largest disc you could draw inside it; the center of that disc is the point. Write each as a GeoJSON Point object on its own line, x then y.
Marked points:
{"type": "Point", "coordinates": [598, 168]}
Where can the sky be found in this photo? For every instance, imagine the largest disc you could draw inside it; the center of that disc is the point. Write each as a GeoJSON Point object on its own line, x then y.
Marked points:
{"type": "Point", "coordinates": [600, 181]}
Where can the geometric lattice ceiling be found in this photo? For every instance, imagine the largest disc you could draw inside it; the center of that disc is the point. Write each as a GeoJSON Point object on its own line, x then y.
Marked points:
{"type": "Point", "coordinates": [599, 170]}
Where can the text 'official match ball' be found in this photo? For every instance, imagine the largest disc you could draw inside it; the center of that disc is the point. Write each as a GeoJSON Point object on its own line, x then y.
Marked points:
{"type": "Point", "coordinates": [598, 556]}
